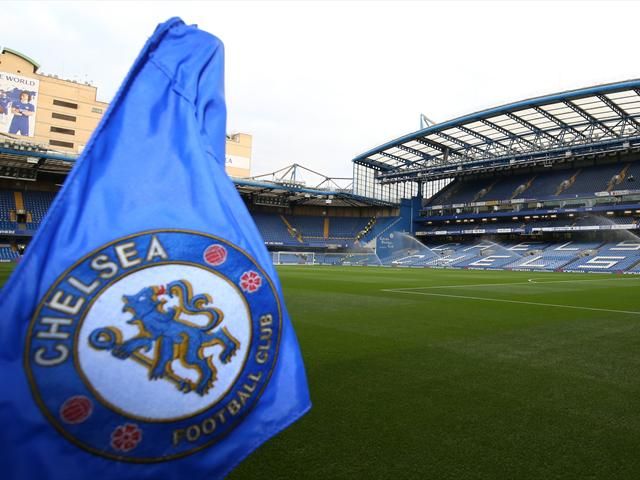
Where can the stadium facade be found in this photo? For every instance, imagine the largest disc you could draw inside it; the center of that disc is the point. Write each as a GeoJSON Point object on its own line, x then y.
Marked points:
{"type": "Point", "coordinates": [550, 183]}
{"type": "Point", "coordinates": [60, 115]}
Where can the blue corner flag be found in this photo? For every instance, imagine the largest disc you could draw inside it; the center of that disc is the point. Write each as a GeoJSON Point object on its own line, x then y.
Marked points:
{"type": "Point", "coordinates": [144, 334]}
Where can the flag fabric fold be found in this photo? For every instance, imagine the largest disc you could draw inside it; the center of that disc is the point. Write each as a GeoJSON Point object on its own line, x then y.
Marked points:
{"type": "Point", "coordinates": [144, 333]}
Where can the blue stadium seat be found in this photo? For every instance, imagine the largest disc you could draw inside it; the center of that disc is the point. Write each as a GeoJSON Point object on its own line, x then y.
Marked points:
{"type": "Point", "coordinates": [381, 225]}
{"type": "Point", "coordinates": [552, 257]}
{"type": "Point", "coordinates": [37, 203]}
{"type": "Point", "coordinates": [308, 226]}
{"type": "Point", "coordinates": [7, 253]}
{"type": "Point", "coordinates": [611, 257]}
{"type": "Point", "coordinates": [273, 229]}
{"type": "Point", "coordinates": [347, 227]}
{"type": "Point", "coordinates": [567, 183]}
{"type": "Point", "coordinates": [7, 204]}
{"type": "Point", "coordinates": [593, 179]}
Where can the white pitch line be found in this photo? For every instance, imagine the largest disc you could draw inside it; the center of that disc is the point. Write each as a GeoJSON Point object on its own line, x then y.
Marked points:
{"type": "Point", "coordinates": [515, 301]}
{"type": "Point", "coordinates": [531, 281]}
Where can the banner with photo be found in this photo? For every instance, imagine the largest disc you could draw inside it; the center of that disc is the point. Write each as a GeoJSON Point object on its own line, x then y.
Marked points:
{"type": "Point", "coordinates": [18, 104]}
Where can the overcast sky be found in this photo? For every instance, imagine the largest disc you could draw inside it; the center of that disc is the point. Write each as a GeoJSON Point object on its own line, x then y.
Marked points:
{"type": "Point", "coordinates": [319, 83]}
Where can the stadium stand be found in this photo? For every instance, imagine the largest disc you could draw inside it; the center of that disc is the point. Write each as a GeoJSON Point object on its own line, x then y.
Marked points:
{"type": "Point", "coordinates": [34, 203]}
{"type": "Point", "coordinates": [274, 231]}
{"type": "Point", "coordinates": [308, 227]}
{"type": "Point", "coordinates": [632, 178]}
{"type": "Point", "coordinates": [548, 184]}
{"type": "Point", "coordinates": [319, 231]}
{"type": "Point", "coordinates": [602, 263]}
{"type": "Point", "coordinates": [543, 261]}
{"type": "Point", "coordinates": [37, 203]}
{"type": "Point", "coordinates": [9, 226]}
{"type": "Point", "coordinates": [512, 186]}
{"type": "Point", "coordinates": [553, 257]}
{"type": "Point", "coordinates": [568, 256]}
{"type": "Point", "coordinates": [593, 179]}
{"type": "Point", "coordinates": [7, 204]}
{"type": "Point", "coordinates": [376, 228]}
{"type": "Point", "coordinates": [558, 184]}
{"type": "Point", "coordinates": [7, 253]}
{"type": "Point", "coordinates": [346, 227]}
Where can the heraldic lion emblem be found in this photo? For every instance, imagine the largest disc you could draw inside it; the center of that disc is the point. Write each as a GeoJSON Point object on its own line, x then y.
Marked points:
{"type": "Point", "coordinates": [171, 335]}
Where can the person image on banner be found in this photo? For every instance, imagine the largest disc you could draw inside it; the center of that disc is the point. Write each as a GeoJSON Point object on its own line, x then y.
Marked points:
{"type": "Point", "coordinates": [5, 103]}
{"type": "Point", "coordinates": [21, 110]}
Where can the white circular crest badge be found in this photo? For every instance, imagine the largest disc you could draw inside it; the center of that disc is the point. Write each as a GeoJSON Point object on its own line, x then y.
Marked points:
{"type": "Point", "coordinates": [154, 346]}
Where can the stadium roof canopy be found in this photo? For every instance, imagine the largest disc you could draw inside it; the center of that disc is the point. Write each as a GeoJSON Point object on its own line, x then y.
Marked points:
{"type": "Point", "coordinates": [296, 184]}
{"type": "Point", "coordinates": [23, 160]}
{"type": "Point", "coordinates": [283, 194]}
{"type": "Point", "coordinates": [562, 126]}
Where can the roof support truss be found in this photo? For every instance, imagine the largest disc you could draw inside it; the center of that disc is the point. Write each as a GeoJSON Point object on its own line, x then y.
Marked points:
{"type": "Point", "coordinates": [563, 126]}
{"type": "Point", "coordinates": [511, 136]}
{"type": "Point", "coordinates": [495, 146]}
{"type": "Point", "coordinates": [626, 118]}
{"type": "Point", "coordinates": [594, 122]}
{"type": "Point", "coordinates": [447, 153]}
{"type": "Point", "coordinates": [539, 134]}
{"type": "Point", "coordinates": [467, 147]}
{"type": "Point", "coordinates": [395, 157]}
{"type": "Point", "coordinates": [424, 155]}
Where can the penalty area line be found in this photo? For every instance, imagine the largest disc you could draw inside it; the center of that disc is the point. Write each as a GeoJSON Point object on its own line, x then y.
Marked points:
{"type": "Point", "coordinates": [519, 302]}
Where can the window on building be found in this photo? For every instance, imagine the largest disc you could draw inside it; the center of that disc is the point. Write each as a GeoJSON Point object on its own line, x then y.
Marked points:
{"type": "Point", "coordinates": [62, 103]}
{"type": "Point", "coordinates": [65, 131]}
{"type": "Point", "coordinates": [96, 110]}
{"type": "Point", "coordinates": [62, 116]}
{"type": "Point", "coordinates": [58, 143]}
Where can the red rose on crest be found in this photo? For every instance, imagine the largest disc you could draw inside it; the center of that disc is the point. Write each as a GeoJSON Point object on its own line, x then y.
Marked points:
{"type": "Point", "coordinates": [126, 437]}
{"type": "Point", "coordinates": [250, 281]}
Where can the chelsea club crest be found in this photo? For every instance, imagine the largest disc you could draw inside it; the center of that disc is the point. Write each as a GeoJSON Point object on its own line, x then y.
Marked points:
{"type": "Point", "coordinates": [154, 346]}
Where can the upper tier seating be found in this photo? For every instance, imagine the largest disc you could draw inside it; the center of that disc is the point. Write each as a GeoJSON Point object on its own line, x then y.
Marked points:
{"type": "Point", "coordinates": [594, 179]}
{"type": "Point", "coordinates": [545, 184]}
{"type": "Point", "coordinates": [632, 178]}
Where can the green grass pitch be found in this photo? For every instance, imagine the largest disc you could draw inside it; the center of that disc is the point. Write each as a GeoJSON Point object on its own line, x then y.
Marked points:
{"type": "Point", "coordinates": [450, 374]}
